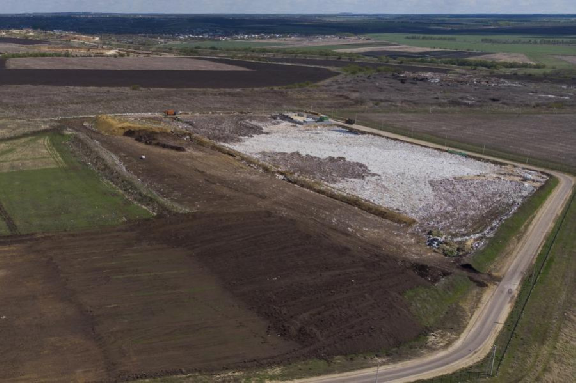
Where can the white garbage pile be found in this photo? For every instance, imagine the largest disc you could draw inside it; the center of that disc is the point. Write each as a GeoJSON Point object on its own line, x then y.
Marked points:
{"type": "Point", "coordinates": [441, 190]}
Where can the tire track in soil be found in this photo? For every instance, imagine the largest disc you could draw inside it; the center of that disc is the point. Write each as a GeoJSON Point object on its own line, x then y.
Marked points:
{"type": "Point", "coordinates": [9, 221]}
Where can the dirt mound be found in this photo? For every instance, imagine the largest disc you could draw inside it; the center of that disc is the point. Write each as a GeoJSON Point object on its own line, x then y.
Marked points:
{"type": "Point", "coordinates": [223, 128]}
{"type": "Point", "coordinates": [114, 126]}
{"type": "Point", "coordinates": [330, 169]}
{"type": "Point", "coordinates": [154, 138]}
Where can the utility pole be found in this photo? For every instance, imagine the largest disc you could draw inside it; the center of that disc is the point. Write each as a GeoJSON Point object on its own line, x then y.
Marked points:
{"type": "Point", "coordinates": [377, 371]}
{"type": "Point", "coordinates": [483, 148]}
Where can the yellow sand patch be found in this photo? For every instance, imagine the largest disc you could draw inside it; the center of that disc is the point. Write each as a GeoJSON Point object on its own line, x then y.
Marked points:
{"type": "Point", "coordinates": [115, 126]}
{"type": "Point", "coordinates": [27, 154]}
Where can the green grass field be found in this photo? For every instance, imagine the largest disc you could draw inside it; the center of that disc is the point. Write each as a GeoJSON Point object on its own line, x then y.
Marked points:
{"type": "Point", "coordinates": [3, 228]}
{"type": "Point", "coordinates": [539, 53]}
{"type": "Point", "coordinates": [64, 198]}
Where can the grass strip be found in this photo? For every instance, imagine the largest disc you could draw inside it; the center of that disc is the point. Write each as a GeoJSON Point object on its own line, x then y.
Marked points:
{"type": "Point", "coordinates": [110, 168]}
{"type": "Point", "coordinates": [530, 328]}
{"type": "Point", "coordinates": [62, 199]}
{"type": "Point", "coordinates": [431, 304]}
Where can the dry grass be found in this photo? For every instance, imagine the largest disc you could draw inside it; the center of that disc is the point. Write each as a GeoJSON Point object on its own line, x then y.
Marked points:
{"type": "Point", "coordinates": [505, 57]}
{"type": "Point", "coordinates": [395, 48]}
{"type": "Point", "coordinates": [28, 153]}
{"type": "Point", "coordinates": [16, 128]}
{"type": "Point", "coordinates": [114, 126]}
{"type": "Point", "coordinates": [570, 59]}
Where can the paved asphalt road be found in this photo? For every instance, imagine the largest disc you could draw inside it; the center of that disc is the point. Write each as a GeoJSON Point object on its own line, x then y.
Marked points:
{"type": "Point", "coordinates": [476, 341]}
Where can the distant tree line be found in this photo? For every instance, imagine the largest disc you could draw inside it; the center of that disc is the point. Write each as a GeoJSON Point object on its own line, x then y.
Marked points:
{"type": "Point", "coordinates": [530, 41]}
{"type": "Point", "coordinates": [433, 38]}
{"type": "Point", "coordinates": [196, 50]}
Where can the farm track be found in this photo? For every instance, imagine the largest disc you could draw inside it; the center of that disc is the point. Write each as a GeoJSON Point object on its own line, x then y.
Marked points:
{"type": "Point", "coordinates": [12, 228]}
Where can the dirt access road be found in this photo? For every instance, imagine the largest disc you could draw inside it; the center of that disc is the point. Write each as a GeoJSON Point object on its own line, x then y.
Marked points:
{"type": "Point", "coordinates": [477, 339]}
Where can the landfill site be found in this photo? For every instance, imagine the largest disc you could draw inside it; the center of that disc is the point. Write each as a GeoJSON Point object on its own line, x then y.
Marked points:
{"type": "Point", "coordinates": [443, 191]}
{"type": "Point", "coordinates": [276, 239]}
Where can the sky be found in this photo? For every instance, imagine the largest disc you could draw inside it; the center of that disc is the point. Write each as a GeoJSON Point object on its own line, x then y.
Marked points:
{"type": "Point", "coordinates": [291, 6]}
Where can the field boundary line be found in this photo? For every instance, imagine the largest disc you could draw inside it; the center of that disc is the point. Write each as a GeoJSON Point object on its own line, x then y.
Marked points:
{"type": "Point", "coordinates": [53, 153]}
{"type": "Point", "coordinates": [12, 228]}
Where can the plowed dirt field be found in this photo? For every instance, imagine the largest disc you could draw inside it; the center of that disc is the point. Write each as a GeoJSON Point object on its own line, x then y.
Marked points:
{"type": "Point", "coordinates": [263, 272]}
{"type": "Point", "coordinates": [251, 75]}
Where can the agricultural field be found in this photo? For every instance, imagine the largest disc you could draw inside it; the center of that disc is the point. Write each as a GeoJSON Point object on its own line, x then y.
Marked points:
{"type": "Point", "coordinates": [184, 300]}
{"type": "Point", "coordinates": [546, 137]}
{"type": "Point", "coordinates": [223, 74]}
{"type": "Point", "coordinates": [540, 49]}
{"type": "Point", "coordinates": [125, 63]}
{"type": "Point", "coordinates": [44, 189]}
{"type": "Point", "coordinates": [17, 41]}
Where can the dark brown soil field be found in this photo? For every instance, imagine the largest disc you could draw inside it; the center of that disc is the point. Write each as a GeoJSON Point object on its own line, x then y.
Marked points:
{"type": "Point", "coordinates": [199, 292]}
{"type": "Point", "coordinates": [550, 137]}
{"type": "Point", "coordinates": [11, 40]}
{"type": "Point", "coordinates": [263, 272]}
{"type": "Point", "coordinates": [258, 75]}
